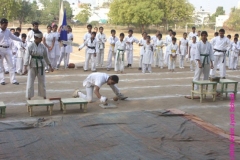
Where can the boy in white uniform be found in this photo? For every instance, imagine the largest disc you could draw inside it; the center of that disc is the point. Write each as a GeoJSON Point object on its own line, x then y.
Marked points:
{"type": "Point", "coordinates": [167, 51]}
{"type": "Point", "coordinates": [30, 34]}
{"type": "Point", "coordinates": [129, 49]}
{"type": "Point", "coordinates": [94, 82]}
{"type": "Point", "coordinates": [221, 43]}
{"type": "Point", "coordinates": [85, 38]}
{"type": "Point", "coordinates": [92, 51]}
{"type": "Point", "coordinates": [142, 42]}
{"type": "Point", "coordinates": [14, 51]}
{"type": "Point", "coordinates": [155, 38]}
{"type": "Point", "coordinates": [192, 53]}
{"type": "Point", "coordinates": [158, 45]}
{"type": "Point", "coordinates": [56, 48]}
{"type": "Point", "coordinates": [204, 58]}
{"type": "Point", "coordinates": [21, 53]}
{"type": "Point", "coordinates": [101, 37]}
{"type": "Point", "coordinates": [119, 50]}
{"type": "Point", "coordinates": [192, 34]}
{"type": "Point", "coordinates": [111, 54]}
{"type": "Point", "coordinates": [228, 54]}
{"type": "Point", "coordinates": [173, 54]}
{"type": "Point", "coordinates": [235, 47]}
{"type": "Point", "coordinates": [147, 56]}
{"type": "Point", "coordinates": [183, 50]}
{"type": "Point", "coordinates": [69, 46]}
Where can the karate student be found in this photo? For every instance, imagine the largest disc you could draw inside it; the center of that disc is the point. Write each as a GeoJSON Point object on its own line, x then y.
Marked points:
{"type": "Point", "coordinates": [173, 54]}
{"type": "Point", "coordinates": [198, 37]}
{"type": "Point", "coordinates": [228, 54]}
{"type": "Point", "coordinates": [56, 47]}
{"type": "Point", "coordinates": [96, 29]}
{"type": "Point", "coordinates": [204, 58]}
{"type": "Point", "coordinates": [129, 49]}
{"type": "Point", "coordinates": [94, 82]}
{"type": "Point", "coordinates": [142, 42]}
{"type": "Point", "coordinates": [221, 43]}
{"type": "Point", "coordinates": [111, 54]}
{"type": "Point", "coordinates": [191, 34]}
{"type": "Point", "coordinates": [192, 53]}
{"type": "Point", "coordinates": [119, 49]}
{"type": "Point", "coordinates": [101, 37]}
{"type": "Point", "coordinates": [5, 51]}
{"type": "Point", "coordinates": [18, 29]}
{"type": "Point", "coordinates": [49, 41]}
{"type": "Point", "coordinates": [158, 45]}
{"type": "Point", "coordinates": [147, 56]}
{"type": "Point", "coordinates": [183, 50]}
{"type": "Point", "coordinates": [92, 51]}
{"type": "Point", "coordinates": [14, 47]}
{"type": "Point", "coordinates": [168, 42]}
{"type": "Point", "coordinates": [155, 38]}
{"type": "Point", "coordinates": [22, 46]}
{"type": "Point", "coordinates": [12, 30]}
{"type": "Point", "coordinates": [30, 34]}
{"type": "Point", "coordinates": [235, 47]}
{"type": "Point", "coordinates": [36, 55]}
{"type": "Point", "coordinates": [69, 46]}
{"type": "Point", "coordinates": [85, 38]}
{"type": "Point", "coordinates": [65, 49]}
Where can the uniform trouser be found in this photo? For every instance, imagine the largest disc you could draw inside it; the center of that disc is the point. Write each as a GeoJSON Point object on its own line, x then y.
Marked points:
{"type": "Point", "coordinates": [119, 62]}
{"type": "Point", "coordinates": [90, 56]}
{"type": "Point", "coordinates": [68, 57]}
{"type": "Point", "coordinates": [7, 54]}
{"type": "Point", "coordinates": [14, 61]}
{"type": "Point", "coordinates": [32, 74]}
{"type": "Point", "coordinates": [86, 64]}
{"type": "Point", "coordinates": [64, 57]}
{"type": "Point", "coordinates": [100, 57]}
{"type": "Point", "coordinates": [5, 65]}
{"type": "Point", "coordinates": [198, 72]}
{"type": "Point", "coordinates": [89, 92]}
{"type": "Point", "coordinates": [146, 67]}
{"type": "Point", "coordinates": [140, 61]}
{"type": "Point", "coordinates": [111, 55]}
{"type": "Point", "coordinates": [19, 65]}
{"type": "Point", "coordinates": [158, 58]}
{"type": "Point", "coordinates": [129, 56]}
{"type": "Point", "coordinates": [192, 65]}
{"type": "Point", "coordinates": [181, 60]}
{"type": "Point", "coordinates": [233, 64]}
{"type": "Point", "coordinates": [172, 62]}
{"type": "Point", "coordinates": [218, 59]}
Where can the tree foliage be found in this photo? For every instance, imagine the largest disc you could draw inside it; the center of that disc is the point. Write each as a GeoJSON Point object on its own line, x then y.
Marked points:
{"type": "Point", "coordinates": [233, 23]}
{"type": "Point", "coordinates": [84, 15]}
{"type": "Point", "coordinates": [219, 11]}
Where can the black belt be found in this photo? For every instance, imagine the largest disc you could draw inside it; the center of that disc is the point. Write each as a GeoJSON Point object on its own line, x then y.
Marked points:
{"type": "Point", "coordinates": [4, 46]}
{"type": "Point", "coordinates": [36, 60]}
{"type": "Point", "coordinates": [224, 52]}
{"type": "Point", "coordinates": [91, 47]}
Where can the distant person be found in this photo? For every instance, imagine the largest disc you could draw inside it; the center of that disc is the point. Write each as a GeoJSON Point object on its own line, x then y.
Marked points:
{"type": "Point", "coordinates": [96, 29]}
{"type": "Point", "coordinates": [85, 38]}
{"type": "Point", "coordinates": [147, 56]}
{"type": "Point", "coordinates": [30, 34]}
{"type": "Point", "coordinates": [192, 52]}
{"type": "Point", "coordinates": [158, 45]}
{"type": "Point", "coordinates": [56, 48]}
{"type": "Point", "coordinates": [168, 42]}
{"type": "Point", "coordinates": [235, 47]}
{"type": "Point", "coordinates": [119, 50]}
{"type": "Point", "coordinates": [101, 37]}
{"type": "Point", "coordinates": [141, 43]}
{"type": "Point", "coordinates": [173, 54]}
{"type": "Point", "coordinates": [12, 30]}
{"type": "Point", "coordinates": [191, 34]}
{"type": "Point", "coordinates": [22, 46]}
{"type": "Point", "coordinates": [229, 52]}
{"type": "Point", "coordinates": [183, 50]}
{"type": "Point", "coordinates": [111, 54]}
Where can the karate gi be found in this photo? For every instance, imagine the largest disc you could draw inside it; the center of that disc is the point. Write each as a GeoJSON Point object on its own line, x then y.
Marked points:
{"type": "Point", "coordinates": [111, 54]}
{"type": "Point", "coordinates": [168, 42]}
{"type": "Point", "coordinates": [92, 48]}
{"type": "Point", "coordinates": [220, 48]}
{"type": "Point", "coordinates": [183, 52]}
{"type": "Point", "coordinates": [193, 51]}
{"type": "Point", "coordinates": [204, 53]}
{"type": "Point", "coordinates": [173, 51]}
{"type": "Point", "coordinates": [234, 56]}
{"type": "Point", "coordinates": [34, 59]}
{"type": "Point", "coordinates": [101, 46]}
{"type": "Point", "coordinates": [56, 49]}
{"type": "Point", "coordinates": [141, 42]}
{"type": "Point", "coordinates": [20, 56]}
{"type": "Point", "coordinates": [147, 58]}
{"type": "Point", "coordinates": [66, 49]}
{"type": "Point", "coordinates": [129, 48]}
{"type": "Point", "coordinates": [228, 54]}
{"type": "Point", "coordinates": [85, 38]}
{"type": "Point", "coordinates": [49, 41]}
{"type": "Point", "coordinates": [96, 79]}
{"type": "Point", "coordinates": [6, 53]}
{"type": "Point", "coordinates": [191, 35]}
{"type": "Point", "coordinates": [14, 54]}
{"type": "Point", "coordinates": [30, 37]}
{"type": "Point", "coordinates": [158, 57]}
{"type": "Point", "coordinates": [119, 50]}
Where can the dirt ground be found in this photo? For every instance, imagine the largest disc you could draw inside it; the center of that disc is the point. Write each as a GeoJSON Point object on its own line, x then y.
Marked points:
{"type": "Point", "coordinates": [159, 90]}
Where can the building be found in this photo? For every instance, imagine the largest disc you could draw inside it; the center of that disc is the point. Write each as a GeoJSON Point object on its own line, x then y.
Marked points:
{"type": "Point", "coordinates": [221, 19]}
{"type": "Point", "coordinates": [201, 16]}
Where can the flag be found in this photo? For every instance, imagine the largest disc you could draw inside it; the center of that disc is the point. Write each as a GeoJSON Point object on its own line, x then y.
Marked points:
{"type": "Point", "coordinates": [63, 33]}
{"type": "Point", "coordinates": [60, 15]}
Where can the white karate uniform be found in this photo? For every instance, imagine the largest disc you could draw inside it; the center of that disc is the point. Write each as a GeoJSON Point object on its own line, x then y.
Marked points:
{"type": "Point", "coordinates": [193, 51]}
{"type": "Point", "coordinates": [168, 42]}
{"type": "Point", "coordinates": [30, 37]}
{"type": "Point", "coordinates": [141, 42]}
{"type": "Point", "coordinates": [85, 38]}
{"type": "Point", "coordinates": [204, 53]}
{"type": "Point", "coordinates": [14, 54]}
{"type": "Point", "coordinates": [49, 41]}
{"type": "Point", "coordinates": [183, 52]}
{"type": "Point", "coordinates": [147, 58]}
{"type": "Point", "coordinates": [96, 79]}
{"type": "Point", "coordinates": [234, 56]}
{"type": "Point", "coordinates": [111, 53]}
{"type": "Point", "coordinates": [173, 51]}
{"type": "Point", "coordinates": [158, 57]}
{"type": "Point", "coordinates": [6, 53]}
{"type": "Point", "coordinates": [191, 35]}
{"type": "Point", "coordinates": [92, 48]}
{"type": "Point", "coordinates": [220, 57]}
{"type": "Point", "coordinates": [119, 50]}
{"type": "Point", "coordinates": [56, 49]}
{"type": "Point", "coordinates": [228, 54]}
{"type": "Point", "coordinates": [20, 56]}
{"type": "Point", "coordinates": [34, 59]}
{"type": "Point", "coordinates": [101, 44]}
{"type": "Point", "coordinates": [129, 48]}
{"type": "Point", "coordinates": [65, 51]}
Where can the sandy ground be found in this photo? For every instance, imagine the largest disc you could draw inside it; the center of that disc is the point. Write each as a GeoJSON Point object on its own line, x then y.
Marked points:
{"type": "Point", "coordinates": [159, 90]}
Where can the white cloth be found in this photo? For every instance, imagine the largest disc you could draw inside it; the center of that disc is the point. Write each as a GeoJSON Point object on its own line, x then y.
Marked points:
{"type": "Point", "coordinates": [101, 38]}
{"type": "Point", "coordinates": [193, 50]}
{"type": "Point", "coordinates": [183, 51]}
{"type": "Point", "coordinates": [111, 54]}
{"type": "Point", "coordinates": [199, 71]}
{"type": "Point", "coordinates": [168, 42]}
{"type": "Point", "coordinates": [49, 37]}
{"type": "Point", "coordinates": [235, 48]}
{"type": "Point", "coordinates": [191, 35]}
{"type": "Point", "coordinates": [147, 67]}
{"type": "Point", "coordinates": [20, 56]}
{"type": "Point", "coordinates": [6, 36]}
{"type": "Point", "coordinates": [173, 50]}
{"type": "Point", "coordinates": [119, 49]}
{"type": "Point", "coordinates": [148, 54]}
{"type": "Point", "coordinates": [129, 48]}
{"type": "Point", "coordinates": [158, 57]}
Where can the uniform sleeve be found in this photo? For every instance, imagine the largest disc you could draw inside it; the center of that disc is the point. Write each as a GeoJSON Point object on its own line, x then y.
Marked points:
{"type": "Point", "coordinates": [45, 57]}
{"type": "Point", "coordinates": [13, 37]}
{"type": "Point", "coordinates": [198, 51]}
{"type": "Point", "coordinates": [116, 47]}
{"type": "Point", "coordinates": [96, 47]}
{"type": "Point", "coordinates": [27, 56]}
{"type": "Point", "coordinates": [136, 40]}
{"type": "Point", "coordinates": [211, 53]}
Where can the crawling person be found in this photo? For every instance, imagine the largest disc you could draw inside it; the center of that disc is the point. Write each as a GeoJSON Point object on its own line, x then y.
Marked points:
{"type": "Point", "coordinates": [94, 82]}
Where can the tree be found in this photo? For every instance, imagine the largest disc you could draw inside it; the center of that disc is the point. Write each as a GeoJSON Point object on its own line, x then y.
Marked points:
{"type": "Point", "coordinates": [219, 11]}
{"type": "Point", "coordinates": [8, 9]}
{"type": "Point", "coordinates": [84, 15]}
{"type": "Point", "coordinates": [233, 23]}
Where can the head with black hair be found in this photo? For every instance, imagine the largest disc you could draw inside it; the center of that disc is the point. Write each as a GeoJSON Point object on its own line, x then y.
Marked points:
{"type": "Point", "coordinates": [216, 34]}
{"type": "Point", "coordinates": [112, 80]}
{"type": "Point", "coordinates": [12, 30]}
{"type": "Point", "coordinates": [236, 35]}
{"type": "Point", "coordinates": [35, 26]}
{"type": "Point", "coordinates": [235, 40]}
{"type": "Point", "coordinates": [4, 24]}
{"type": "Point", "coordinates": [159, 36]}
{"type": "Point", "coordinates": [229, 36]}
{"type": "Point", "coordinates": [49, 29]}
{"type": "Point", "coordinates": [29, 29]}
{"type": "Point", "coordinates": [130, 32]}
{"type": "Point", "coordinates": [221, 33]}
{"type": "Point", "coordinates": [185, 35]}
{"type": "Point", "coordinates": [144, 35]}
{"type": "Point", "coordinates": [121, 36]}
{"type": "Point", "coordinates": [101, 29]}
{"type": "Point", "coordinates": [113, 32]}
{"type": "Point", "coordinates": [93, 35]}
{"type": "Point", "coordinates": [193, 29]}
{"type": "Point", "coordinates": [96, 29]}
{"type": "Point", "coordinates": [174, 40]}
{"type": "Point", "coordinates": [148, 39]}
{"type": "Point", "coordinates": [18, 29]}
{"type": "Point", "coordinates": [89, 28]}
{"type": "Point", "coordinates": [17, 34]}
{"type": "Point", "coordinates": [24, 36]}
{"type": "Point", "coordinates": [54, 28]}
{"type": "Point", "coordinates": [204, 36]}
{"type": "Point", "coordinates": [174, 34]}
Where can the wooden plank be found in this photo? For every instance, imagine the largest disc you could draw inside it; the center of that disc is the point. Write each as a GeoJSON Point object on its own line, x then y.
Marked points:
{"type": "Point", "coordinates": [2, 105]}
{"type": "Point", "coordinates": [44, 102]}
{"type": "Point", "coordinates": [74, 101]}
{"type": "Point", "coordinates": [204, 82]}
{"type": "Point", "coordinates": [227, 81]}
